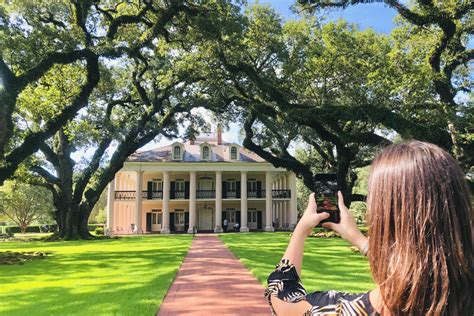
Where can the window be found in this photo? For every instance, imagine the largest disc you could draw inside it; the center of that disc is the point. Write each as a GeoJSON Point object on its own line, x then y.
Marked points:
{"type": "Point", "coordinates": [179, 217]}
{"type": "Point", "coordinates": [233, 153]}
{"type": "Point", "coordinates": [179, 185]}
{"type": "Point", "coordinates": [252, 185]}
{"type": "Point", "coordinates": [157, 185]}
{"type": "Point", "coordinates": [206, 153]}
{"type": "Point", "coordinates": [231, 185]}
{"type": "Point", "coordinates": [177, 152]}
{"type": "Point", "coordinates": [156, 217]}
{"type": "Point", "coordinates": [231, 215]}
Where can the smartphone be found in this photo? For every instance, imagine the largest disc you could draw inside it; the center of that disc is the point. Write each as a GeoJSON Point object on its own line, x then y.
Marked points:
{"type": "Point", "coordinates": [325, 194]}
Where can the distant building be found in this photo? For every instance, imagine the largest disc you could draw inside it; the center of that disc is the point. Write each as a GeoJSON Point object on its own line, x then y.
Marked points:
{"type": "Point", "coordinates": [194, 185]}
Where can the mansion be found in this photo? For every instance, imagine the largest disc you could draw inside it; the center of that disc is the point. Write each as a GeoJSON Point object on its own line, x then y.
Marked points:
{"type": "Point", "coordinates": [194, 186]}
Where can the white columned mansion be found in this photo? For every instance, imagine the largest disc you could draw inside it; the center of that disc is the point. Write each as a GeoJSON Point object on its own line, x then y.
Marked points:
{"type": "Point", "coordinates": [193, 186]}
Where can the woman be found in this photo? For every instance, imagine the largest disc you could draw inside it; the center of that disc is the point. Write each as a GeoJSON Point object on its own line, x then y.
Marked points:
{"type": "Point", "coordinates": [420, 248]}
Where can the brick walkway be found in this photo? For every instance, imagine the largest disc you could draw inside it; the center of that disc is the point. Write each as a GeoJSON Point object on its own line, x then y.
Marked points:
{"type": "Point", "coordinates": [212, 281]}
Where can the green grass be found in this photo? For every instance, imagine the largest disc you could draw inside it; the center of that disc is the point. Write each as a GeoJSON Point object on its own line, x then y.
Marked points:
{"type": "Point", "coordinates": [126, 276]}
{"type": "Point", "coordinates": [328, 264]}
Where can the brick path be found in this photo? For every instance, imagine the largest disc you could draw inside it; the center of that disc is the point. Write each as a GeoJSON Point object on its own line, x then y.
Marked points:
{"type": "Point", "coordinates": [212, 281]}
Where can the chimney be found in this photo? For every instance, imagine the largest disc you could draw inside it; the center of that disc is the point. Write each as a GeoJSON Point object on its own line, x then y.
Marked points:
{"type": "Point", "coordinates": [219, 134]}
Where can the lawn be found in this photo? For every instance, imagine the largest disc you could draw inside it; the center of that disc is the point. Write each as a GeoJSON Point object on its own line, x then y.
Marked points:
{"type": "Point", "coordinates": [126, 276]}
{"type": "Point", "coordinates": [328, 264]}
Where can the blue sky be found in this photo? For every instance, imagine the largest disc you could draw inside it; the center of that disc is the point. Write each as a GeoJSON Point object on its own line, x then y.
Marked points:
{"type": "Point", "coordinates": [378, 16]}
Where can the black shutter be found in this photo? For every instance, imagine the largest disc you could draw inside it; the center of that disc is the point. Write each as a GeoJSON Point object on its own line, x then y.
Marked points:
{"type": "Point", "coordinates": [259, 219]}
{"type": "Point", "coordinates": [259, 189]}
{"type": "Point", "coordinates": [186, 190]}
{"type": "Point", "coordinates": [224, 216]}
{"type": "Point", "coordinates": [237, 214]}
{"type": "Point", "coordinates": [172, 189]}
{"type": "Point", "coordinates": [148, 222]}
{"type": "Point", "coordinates": [172, 228]}
{"type": "Point", "coordinates": [224, 189]}
{"type": "Point", "coordinates": [186, 221]}
{"type": "Point", "coordinates": [149, 188]}
{"type": "Point", "coordinates": [237, 187]}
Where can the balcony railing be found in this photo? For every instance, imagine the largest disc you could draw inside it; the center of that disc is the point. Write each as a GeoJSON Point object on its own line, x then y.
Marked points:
{"type": "Point", "coordinates": [155, 195]}
{"type": "Point", "coordinates": [125, 195]}
{"type": "Point", "coordinates": [230, 195]}
{"type": "Point", "coordinates": [202, 194]}
{"type": "Point", "coordinates": [205, 194]}
{"type": "Point", "coordinates": [179, 194]}
{"type": "Point", "coordinates": [281, 194]}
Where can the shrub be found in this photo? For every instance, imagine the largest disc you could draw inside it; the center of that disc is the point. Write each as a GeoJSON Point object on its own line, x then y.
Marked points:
{"type": "Point", "coordinates": [93, 227]}
{"type": "Point", "coordinates": [29, 229]}
{"type": "Point", "coordinates": [99, 231]}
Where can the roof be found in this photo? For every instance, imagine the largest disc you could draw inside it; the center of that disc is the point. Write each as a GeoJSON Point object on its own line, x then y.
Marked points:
{"type": "Point", "coordinates": [192, 153]}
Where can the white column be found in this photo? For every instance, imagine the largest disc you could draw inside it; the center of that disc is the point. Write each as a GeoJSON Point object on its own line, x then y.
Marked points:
{"type": "Point", "coordinates": [192, 202]}
{"type": "Point", "coordinates": [293, 201]}
{"type": "Point", "coordinates": [277, 204]}
{"type": "Point", "coordinates": [110, 207]}
{"type": "Point", "coordinates": [166, 203]}
{"type": "Point", "coordinates": [268, 202]}
{"type": "Point", "coordinates": [284, 203]}
{"type": "Point", "coordinates": [218, 227]}
{"type": "Point", "coordinates": [138, 202]}
{"type": "Point", "coordinates": [243, 202]}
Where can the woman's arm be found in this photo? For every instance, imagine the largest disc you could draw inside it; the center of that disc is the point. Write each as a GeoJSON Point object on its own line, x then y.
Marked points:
{"type": "Point", "coordinates": [309, 220]}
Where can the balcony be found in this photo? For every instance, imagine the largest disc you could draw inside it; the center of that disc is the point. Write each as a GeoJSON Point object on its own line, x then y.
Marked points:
{"type": "Point", "coordinates": [201, 194]}
{"type": "Point", "coordinates": [153, 195]}
{"type": "Point", "coordinates": [125, 195]}
{"type": "Point", "coordinates": [281, 194]}
{"type": "Point", "coordinates": [205, 194]}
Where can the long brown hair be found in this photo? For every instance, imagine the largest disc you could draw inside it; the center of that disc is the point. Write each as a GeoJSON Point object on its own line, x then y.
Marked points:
{"type": "Point", "coordinates": [421, 231]}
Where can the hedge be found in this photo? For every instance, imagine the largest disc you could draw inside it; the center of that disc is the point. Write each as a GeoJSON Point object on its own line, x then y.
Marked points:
{"type": "Point", "coordinates": [29, 229]}
{"type": "Point", "coordinates": [93, 227]}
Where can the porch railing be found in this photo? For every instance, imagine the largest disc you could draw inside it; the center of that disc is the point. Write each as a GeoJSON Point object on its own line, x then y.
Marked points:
{"type": "Point", "coordinates": [179, 194]}
{"type": "Point", "coordinates": [281, 194]}
{"type": "Point", "coordinates": [125, 195]}
{"type": "Point", "coordinates": [205, 194]}
{"type": "Point", "coordinates": [201, 194]}
{"type": "Point", "coordinates": [155, 195]}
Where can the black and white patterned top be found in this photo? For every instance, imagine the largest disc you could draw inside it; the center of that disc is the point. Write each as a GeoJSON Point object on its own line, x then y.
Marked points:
{"type": "Point", "coordinates": [284, 283]}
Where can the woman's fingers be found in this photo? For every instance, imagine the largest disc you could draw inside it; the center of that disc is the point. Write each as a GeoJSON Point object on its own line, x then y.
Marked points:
{"type": "Point", "coordinates": [340, 201]}
{"type": "Point", "coordinates": [312, 203]}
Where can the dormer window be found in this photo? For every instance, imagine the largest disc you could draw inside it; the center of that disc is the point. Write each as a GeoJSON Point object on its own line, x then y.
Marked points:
{"type": "Point", "coordinates": [206, 153]}
{"type": "Point", "coordinates": [177, 152]}
{"type": "Point", "coordinates": [233, 153]}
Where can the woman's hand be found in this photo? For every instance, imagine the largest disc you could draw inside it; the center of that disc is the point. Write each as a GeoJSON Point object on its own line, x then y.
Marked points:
{"type": "Point", "coordinates": [310, 218]}
{"type": "Point", "coordinates": [347, 227]}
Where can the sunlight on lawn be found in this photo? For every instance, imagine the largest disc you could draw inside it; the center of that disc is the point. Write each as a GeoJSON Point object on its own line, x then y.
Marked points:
{"type": "Point", "coordinates": [128, 276]}
{"type": "Point", "coordinates": [328, 264]}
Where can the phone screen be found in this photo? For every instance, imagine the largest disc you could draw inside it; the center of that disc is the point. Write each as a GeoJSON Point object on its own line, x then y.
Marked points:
{"type": "Point", "coordinates": [326, 196]}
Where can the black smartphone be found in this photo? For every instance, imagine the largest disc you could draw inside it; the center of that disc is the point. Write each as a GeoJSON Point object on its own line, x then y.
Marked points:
{"type": "Point", "coordinates": [325, 194]}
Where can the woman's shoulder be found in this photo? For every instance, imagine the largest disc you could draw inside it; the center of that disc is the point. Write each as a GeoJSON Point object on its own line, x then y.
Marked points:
{"type": "Point", "coordinates": [285, 284]}
{"type": "Point", "coordinates": [334, 301]}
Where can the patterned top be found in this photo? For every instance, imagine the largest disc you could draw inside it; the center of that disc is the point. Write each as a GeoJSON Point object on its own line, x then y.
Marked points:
{"type": "Point", "coordinates": [284, 283]}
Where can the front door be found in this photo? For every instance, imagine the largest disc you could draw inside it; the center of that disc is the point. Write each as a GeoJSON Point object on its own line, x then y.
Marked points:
{"type": "Point", "coordinates": [205, 219]}
{"type": "Point", "coordinates": [252, 219]}
{"type": "Point", "coordinates": [156, 220]}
